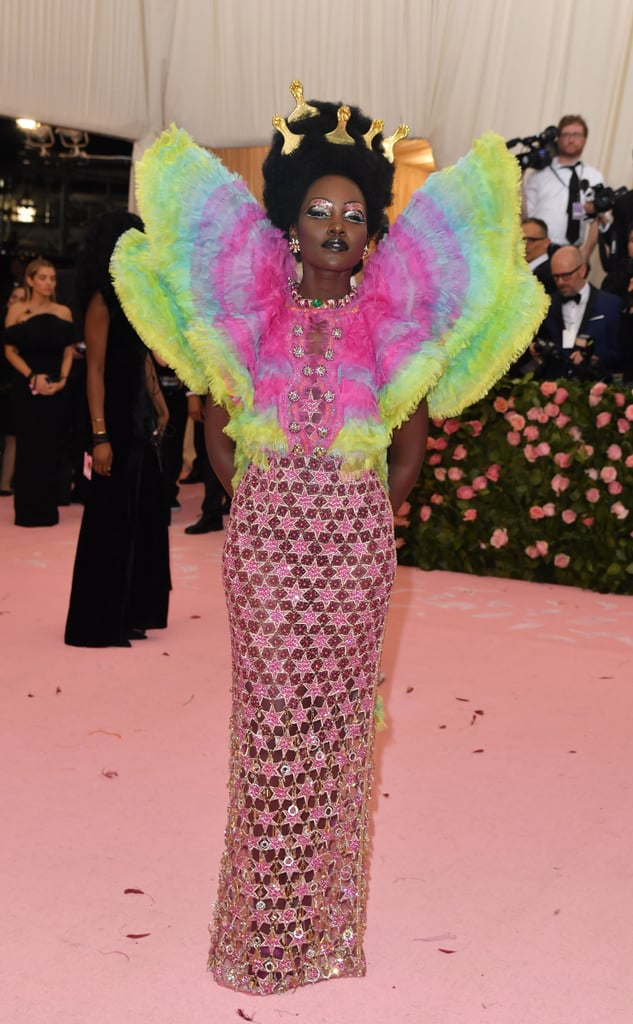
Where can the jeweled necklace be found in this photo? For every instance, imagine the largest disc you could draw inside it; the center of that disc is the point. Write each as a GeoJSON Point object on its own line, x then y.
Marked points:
{"type": "Point", "coordinates": [304, 303]}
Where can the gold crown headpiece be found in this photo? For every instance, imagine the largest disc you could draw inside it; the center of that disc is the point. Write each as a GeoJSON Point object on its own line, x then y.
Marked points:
{"type": "Point", "coordinates": [339, 135]}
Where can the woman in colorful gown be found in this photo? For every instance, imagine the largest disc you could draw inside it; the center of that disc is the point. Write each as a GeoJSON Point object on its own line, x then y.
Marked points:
{"type": "Point", "coordinates": [121, 579]}
{"type": "Point", "coordinates": [38, 344]}
{"type": "Point", "coordinates": [312, 382]}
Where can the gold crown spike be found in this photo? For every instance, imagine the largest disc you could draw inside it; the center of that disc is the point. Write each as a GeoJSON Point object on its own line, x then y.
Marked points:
{"type": "Point", "coordinates": [401, 132]}
{"type": "Point", "coordinates": [374, 129]}
{"type": "Point", "coordinates": [340, 135]}
{"type": "Point", "coordinates": [302, 109]}
{"type": "Point", "coordinates": [291, 141]}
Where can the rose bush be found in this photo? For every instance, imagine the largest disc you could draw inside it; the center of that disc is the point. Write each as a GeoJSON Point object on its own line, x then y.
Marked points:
{"type": "Point", "coordinates": [543, 492]}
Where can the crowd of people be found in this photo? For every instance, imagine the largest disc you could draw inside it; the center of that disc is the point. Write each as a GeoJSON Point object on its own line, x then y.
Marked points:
{"type": "Point", "coordinates": [588, 331]}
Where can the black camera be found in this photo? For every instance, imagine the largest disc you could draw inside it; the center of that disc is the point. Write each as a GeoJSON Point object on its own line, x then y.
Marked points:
{"type": "Point", "coordinates": [539, 150]}
{"type": "Point", "coordinates": [602, 197]}
{"type": "Point", "coordinates": [543, 360]}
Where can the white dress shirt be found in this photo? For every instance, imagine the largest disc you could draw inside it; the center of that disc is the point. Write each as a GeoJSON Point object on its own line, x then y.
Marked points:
{"type": "Point", "coordinates": [547, 193]}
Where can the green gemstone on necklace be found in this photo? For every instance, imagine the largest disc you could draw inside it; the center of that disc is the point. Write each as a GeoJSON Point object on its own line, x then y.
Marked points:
{"type": "Point", "coordinates": [317, 303]}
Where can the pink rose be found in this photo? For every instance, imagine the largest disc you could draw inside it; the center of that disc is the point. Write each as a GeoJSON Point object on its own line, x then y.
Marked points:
{"type": "Point", "coordinates": [440, 444]}
{"type": "Point", "coordinates": [588, 450]}
{"type": "Point", "coordinates": [561, 395]}
{"type": "Point", "coordinates": [530, 453]}
{"type": "Point", "coordinates": [628, 462]}
{"type": "Point", "coordinates": [619, 511]}
{"type": "Point", "coordinates": [470, 515]}
{"type": "Point", "coordinates": [614, 452]}
{"type": "Point", "coordinates": [623, 426]}
{"type": "Point", "coordinates": [533, 413]}
{"type": "Point", "coordinates": [615, 487]}
{"type": "Point", "coordinates": [500, 404]}
{"type": "Point", "coordinates": [562, 421]}
{"type": "Point", "coordinates": [552, 410]}
{"type": "Point", "coordinates": [592, 473]}
{"type": "Point", "coordinates": [465, 493]}
{"type": "Point", "coordinates": [425, 513]}
{"type": "Point", "coordinates": [513, 438]}
{"type": "Point", "coordinates": [628, 412]}
{"type": "Point", "coordinates": [561, 561]}
{"type": "Point", "coordinates": [493, 472]}
{"type": "Point", "coordinates": [430, 443]}
{"type": "Point", "coordinates": [399, 542]}
{"type": "Point", "coordinates": [603, 419]}
{"type": "Point", "coordinates": [480, 483]}
{"type": "Point", "coordinates": [451, 426]}
{"type": "Point", "coordinates": [399, 520]}
{"type": "Point", "coordinates": [619, 399]}
{"type": "Point", "coordinates": [499, 538]}
{"type": "Point", "coordinates": [543, 448]}
{"type": "Point", "coordinates": [437, 499]}
{"type": "Point", "coordinates": [592, 495]}
{"type": "Point", "coordinates": [569, 516]}
{"type": "Point", "coordinates": [516, 421]}
{"type": "Point", "coordinates": [460, 452]}
{"type": "Point", "coordinates": [562, 459]}
{"type": "Point", "coordinates": [455, 473]}
{"type": "Point", "coordinates": [549, 509]}
{"type": "Point", "coordinates": [536, 512]}
{"type": "Point", "coordinates": [542, 547]}
{"type": "Point", "coordinates": [475, 426]}
{"type": "Point", "coordinates": [434, 459]}
{"type": "Point", "coordinates": [560, 483]}
{"type": "Point", "coordinates": [597, 390]}
{"type": "Point", "coordinates": [542, 416]}
{"type": "Point", "coordinates": [608, 474]}
{"type": "Point", "coordinates": [404, 509]}
{"type": "Point", "coordinates": [530, 433]}
{"type": "Point", "coordinates": [548, 387]}
{"type": "Point", "coordinates": [587, 520]}
{"type": "Point", "coordinates": [439, 474]}
{"type": "Point", "coordinates": [574, 433]}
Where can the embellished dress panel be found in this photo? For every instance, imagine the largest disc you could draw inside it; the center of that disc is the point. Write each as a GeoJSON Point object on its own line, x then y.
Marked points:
{"type": "Point", "coordinates": [308, 568]}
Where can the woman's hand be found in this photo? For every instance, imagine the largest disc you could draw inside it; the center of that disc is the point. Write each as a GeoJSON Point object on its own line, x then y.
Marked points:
{"type": "Point", "coordinates": [102, 459]}
{"type": "Point", "coordinates": [162, 419]}
{"type": "Point", "coordinates": [40, 385]}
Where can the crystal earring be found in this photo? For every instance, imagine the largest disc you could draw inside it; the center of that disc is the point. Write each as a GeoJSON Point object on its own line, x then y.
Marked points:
{"type": "Point", "coordinates": [365, 252]}
{"type": "Point", "coordinates": [293, 245]}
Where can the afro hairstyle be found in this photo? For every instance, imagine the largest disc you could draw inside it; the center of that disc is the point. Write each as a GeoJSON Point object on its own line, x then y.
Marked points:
{"type": "Point", "coordinates": [288, 178]}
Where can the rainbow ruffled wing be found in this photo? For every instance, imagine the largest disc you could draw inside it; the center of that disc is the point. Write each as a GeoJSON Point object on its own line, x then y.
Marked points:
{"type": "Point", "coordinates": [454, 297]}
{"type": "Point", "coordinates": [199, 284]}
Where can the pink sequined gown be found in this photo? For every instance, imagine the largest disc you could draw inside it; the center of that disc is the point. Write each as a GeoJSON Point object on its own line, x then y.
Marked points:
{"type": "Point", "coordinates": [308, 569]}
{"type": "Point", "coordinates": [447, 303]}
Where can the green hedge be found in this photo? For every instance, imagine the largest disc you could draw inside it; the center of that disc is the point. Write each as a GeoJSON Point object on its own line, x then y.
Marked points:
{"type": "Point", "coordinates": [535, 483]}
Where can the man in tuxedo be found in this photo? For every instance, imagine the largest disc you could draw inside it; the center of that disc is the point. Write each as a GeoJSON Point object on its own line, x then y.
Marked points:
{"type": "Point", "coordinates": [537, 246]}
{"type": "Point", "coordinates": [583, 322]}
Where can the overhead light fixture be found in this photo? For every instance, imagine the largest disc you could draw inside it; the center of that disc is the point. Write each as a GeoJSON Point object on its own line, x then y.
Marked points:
{"type": "Point", "coordinates": [38, 136]}
{"type": "Point", "coordinates": [24, 210]}
{"type": "Point", "coordinates": [73, 139]}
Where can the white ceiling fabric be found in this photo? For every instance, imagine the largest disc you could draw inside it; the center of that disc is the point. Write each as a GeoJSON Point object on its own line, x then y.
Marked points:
{"type": "Point", "coordinates": [221, 68]}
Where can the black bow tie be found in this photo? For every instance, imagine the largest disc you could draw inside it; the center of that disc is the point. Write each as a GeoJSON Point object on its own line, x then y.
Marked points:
{"type": "Point", "coordinates": [572, 298]}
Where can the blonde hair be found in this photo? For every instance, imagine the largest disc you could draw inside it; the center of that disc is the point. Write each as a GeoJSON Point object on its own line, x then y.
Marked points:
{"type": "Point", "coordinates": [31, 270]}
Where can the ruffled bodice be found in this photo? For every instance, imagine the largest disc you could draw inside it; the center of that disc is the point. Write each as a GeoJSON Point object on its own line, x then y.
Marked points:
{"type": "Point", "coordinates": [446, 305]}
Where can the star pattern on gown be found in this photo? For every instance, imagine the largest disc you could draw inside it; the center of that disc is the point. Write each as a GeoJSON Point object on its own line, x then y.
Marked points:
{"type": "Point", "coordinates": [306, 631]}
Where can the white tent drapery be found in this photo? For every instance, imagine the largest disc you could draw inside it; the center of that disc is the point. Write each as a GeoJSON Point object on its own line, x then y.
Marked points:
{"type": "Point", "coordinates": [221, 68]}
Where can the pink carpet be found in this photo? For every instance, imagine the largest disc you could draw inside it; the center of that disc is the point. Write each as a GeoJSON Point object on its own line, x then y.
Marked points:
{"type": "Point", "coordinates": [502, 869]}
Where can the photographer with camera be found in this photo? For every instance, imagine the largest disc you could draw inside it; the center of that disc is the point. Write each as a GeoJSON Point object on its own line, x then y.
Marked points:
{"type": "Point", "coordinates": [560, 193]}
{"type": "Point", "coordinates": [580, 336]}
{"type": "Point", "coordinates": [620, 282]}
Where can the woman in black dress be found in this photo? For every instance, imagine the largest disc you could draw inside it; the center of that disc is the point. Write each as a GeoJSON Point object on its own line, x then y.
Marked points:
{"type": "Point", "coordinates": [121, 579]}
{"type": "Point", "coordinates": [38, 344]}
